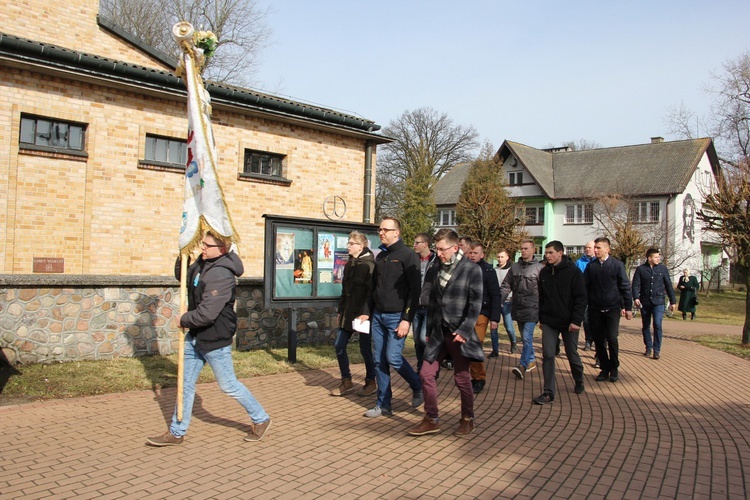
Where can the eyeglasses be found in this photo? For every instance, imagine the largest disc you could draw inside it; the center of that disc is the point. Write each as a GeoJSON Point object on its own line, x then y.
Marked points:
{"type": "Point", "coordinates": [352, 243]}
{"type": "Point", "coordinates": [443, 250]}
{"type": "Point", "coordinates": [386, 229]}
{"type": "Point", "coordinates": [420, 242]}
{"type": "Point", "coordinates": [206, 245]}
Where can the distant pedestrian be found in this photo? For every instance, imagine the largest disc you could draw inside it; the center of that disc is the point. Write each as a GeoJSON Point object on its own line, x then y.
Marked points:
{"type": "Point", "coordinates": [427, 258]}
{"type": "Point", "coordinates": [688, 287]}
{"type": "Point", "coordinates": [651, 287]}
{"type": "Point", "coordinates": [609, 297]}
{"type": "Point", "coordinates": [582, 263]}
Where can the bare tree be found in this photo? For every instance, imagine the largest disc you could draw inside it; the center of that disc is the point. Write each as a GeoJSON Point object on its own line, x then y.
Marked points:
{"type": "Point", "coordinates": [240, 26]}
{"type": "Point", "coordinates": [616, 216]}
{"type": "Point", "coordinates": [427, 145]}
{"type": "Point", "coordinates": [484, 211]}
{"type": "Point", "coordinates": [726, 209]}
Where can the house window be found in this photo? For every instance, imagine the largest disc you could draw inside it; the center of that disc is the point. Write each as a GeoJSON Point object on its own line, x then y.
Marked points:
{"type": "Point", "coordinates": [579, 214]}
{"type": "Point", "coordinates": [515, 178]}
{"type": "Point", "coordinates": [446, 218]}
{"type": "Point", "coordinates": [534, 215]}
{"type": "Point", "coordinates": [261, 163]}
{"type": "Point", "coordinates": [574, 250]}
{"type": "Point", "coordinates": [52, 133]}
{"type": "Point", "coordinates": [647, 211]}
{"type": "Point", "coordinates": [166, 150]}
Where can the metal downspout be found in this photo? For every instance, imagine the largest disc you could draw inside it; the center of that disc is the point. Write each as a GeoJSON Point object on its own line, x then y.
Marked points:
{"type": "Point", "coordinates": [366, 215]}
{"type": "Point", "coordinates": [665, 250]}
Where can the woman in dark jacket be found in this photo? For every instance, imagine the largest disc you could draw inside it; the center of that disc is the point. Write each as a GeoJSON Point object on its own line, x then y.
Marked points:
{"type": "Point", "coordinates": [356, 289]}
{"type": "Point", "coordinates": [688, 287]}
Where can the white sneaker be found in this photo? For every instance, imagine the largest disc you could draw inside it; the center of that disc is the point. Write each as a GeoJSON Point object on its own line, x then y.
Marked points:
{"type": "Point", "coordinates": [378, 412]}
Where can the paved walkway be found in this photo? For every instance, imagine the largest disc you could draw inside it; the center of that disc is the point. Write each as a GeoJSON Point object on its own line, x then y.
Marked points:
{"type": "Point", "coordinates": [676, 427]}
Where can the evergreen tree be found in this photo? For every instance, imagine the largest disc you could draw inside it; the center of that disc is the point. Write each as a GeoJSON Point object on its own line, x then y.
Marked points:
{"type": "Point", "coordinates": [485, 212]}
{"type": "Point", "coordinates": [417, 211]}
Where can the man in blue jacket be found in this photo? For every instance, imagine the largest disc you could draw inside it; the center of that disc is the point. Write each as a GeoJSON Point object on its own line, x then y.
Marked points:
{"type": "Point", "coordinates": [562, 303]}
{"type": "Point", "coordinates": [582, 263]}
{"type": "Point", "coordinates": [609, 298]}
{"type": "Point", "coordinates": [651, 285]}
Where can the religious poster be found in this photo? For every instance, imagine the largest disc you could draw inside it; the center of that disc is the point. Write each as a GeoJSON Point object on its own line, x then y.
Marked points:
{"type": "Point", "coordinates": [284, 250]}
{"type": "Point", "coordinates": [340, 259]}
{"type": "Point", "coordinates": [303, 266]}
{"type": "Point", "coordinates": [325, 250]}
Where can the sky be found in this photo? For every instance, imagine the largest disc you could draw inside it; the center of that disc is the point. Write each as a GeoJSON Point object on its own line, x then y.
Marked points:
{"type": "Point", "coordinates": [538, 72]}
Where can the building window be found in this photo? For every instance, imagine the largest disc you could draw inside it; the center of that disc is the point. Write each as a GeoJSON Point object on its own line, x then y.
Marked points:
{"type": "Point", "coordinates": [515, 178]}
{"type": "Point", "coordinates": [579, 214]}
{"type": "Point", "coordinates": [647, 211]}
{"type": "Point", "coordinates": [52, 133]}
{"type": "Point", "coordinates": [261, 163]}
{"type": "Point", "coordinates": [166, 150]}
{"type": "Point", "coordinates": [446, 218]}
{"type": "Point", "coordinates": [574, 250]}
{"type": "Point", "coordinates": [534, 215]}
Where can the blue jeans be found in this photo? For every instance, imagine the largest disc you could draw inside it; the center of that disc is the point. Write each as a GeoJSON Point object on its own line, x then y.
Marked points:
{"type": "Point", "coordinates": [220, 361]}
{"type": "Point", "coordinates": [508, 323]}
{"type": "Point", "coordinates": [527, 336]}
{"type": "Point", "coordinates": [386, 351]}
{"type": "Point", "coordinates": [419, 331]}
{"type": "Point", "coordinates": [647, 312]}
{"type": "Point", "coordinates": [365, 348]}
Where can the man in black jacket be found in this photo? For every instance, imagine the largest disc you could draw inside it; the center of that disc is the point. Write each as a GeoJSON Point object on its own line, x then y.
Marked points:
{"type": "Point", "coordinates": [609, 296]}
{"type": "Point", "coordinates": [212, 322]}
{"type": "Point", "coordinates": [393, 302]}
{"type": "Point", "coordinates": [562, 304]}
{"type": "Point", "coordinates": [651, 285]}
{"type": "Point", "coordinates": [490, 313]}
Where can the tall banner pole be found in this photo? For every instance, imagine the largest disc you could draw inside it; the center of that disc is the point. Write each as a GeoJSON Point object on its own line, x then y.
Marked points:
{"type": "Point", "coordinates": [181, 352]}
{"type": "Point", "coordinates": [203, 207]}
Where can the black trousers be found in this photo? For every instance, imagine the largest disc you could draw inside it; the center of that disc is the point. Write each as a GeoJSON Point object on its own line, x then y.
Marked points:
{"type": "Point", "coordinates": [605, 327]}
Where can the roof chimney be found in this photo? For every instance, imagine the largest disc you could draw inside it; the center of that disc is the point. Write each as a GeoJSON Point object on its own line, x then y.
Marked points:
{"type": "Point", "coordinates": [657, 140]}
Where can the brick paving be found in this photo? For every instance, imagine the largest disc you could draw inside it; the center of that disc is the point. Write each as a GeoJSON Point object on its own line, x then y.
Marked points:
{"type": "Point", "coordinates": [676, 427]}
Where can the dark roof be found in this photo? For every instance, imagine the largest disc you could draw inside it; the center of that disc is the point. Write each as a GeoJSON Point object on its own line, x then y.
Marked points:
{"type": "Point", "coordinates": [24, 53]}
{"type": "Point", "coordinates": [448, 188]}
{"type": "Point", "coordinates": [641, 170]}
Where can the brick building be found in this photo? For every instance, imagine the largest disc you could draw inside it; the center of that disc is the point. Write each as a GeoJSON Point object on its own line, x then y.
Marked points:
{"type": "Point", "coordinates": [92, 137]}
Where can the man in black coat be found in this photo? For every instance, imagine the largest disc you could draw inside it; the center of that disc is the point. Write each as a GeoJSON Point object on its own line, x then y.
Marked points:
{"type": "Point", "coordinates": [455, 303]}
{"type": "Point", "coordinates": [651, 285]}
{"type": "Point", "coordinates": [490, 313]}
{"type": "Point", "coordinates": [609, 296]}
{"type": "Point", "coordinates": [562, 305]}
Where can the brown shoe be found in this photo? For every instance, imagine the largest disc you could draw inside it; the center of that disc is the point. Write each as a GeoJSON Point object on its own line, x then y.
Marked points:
{"type": "Point", "coordinates": [426, 426]}
{"type": "Point", "coordinates": [258, 431]}
{"type": "Point", "coordinates": [166, 439]}
{"type": "Point", "coordinates": [465, 427]}
{"type": "Point", "coordinates": [370, 388]}
{"type": "Point", "coordinates": [346, 386]}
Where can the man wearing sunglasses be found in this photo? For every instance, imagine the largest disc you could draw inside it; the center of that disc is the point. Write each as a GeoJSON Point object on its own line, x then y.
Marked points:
{"type": "Point", "coordinates": [212, 322]}
{"type": "Point", "coordinates": [393, 302]}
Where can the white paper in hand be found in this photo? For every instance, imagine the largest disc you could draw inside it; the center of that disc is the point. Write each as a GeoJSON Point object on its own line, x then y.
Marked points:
{"type": "Point", "coordinates": [361, 326]}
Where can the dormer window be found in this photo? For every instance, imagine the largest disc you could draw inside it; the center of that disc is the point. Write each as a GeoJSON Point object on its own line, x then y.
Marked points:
{"type": "Point", "coordinates": [515, 178]}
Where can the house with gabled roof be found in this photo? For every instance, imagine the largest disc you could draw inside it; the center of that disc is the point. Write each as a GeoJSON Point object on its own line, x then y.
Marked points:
{"type": "Point", "coordinates": [562, 191]}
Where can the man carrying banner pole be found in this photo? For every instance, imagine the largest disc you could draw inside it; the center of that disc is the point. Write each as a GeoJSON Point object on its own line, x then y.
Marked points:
{"type": "Point", "coordinates": [208, 286]}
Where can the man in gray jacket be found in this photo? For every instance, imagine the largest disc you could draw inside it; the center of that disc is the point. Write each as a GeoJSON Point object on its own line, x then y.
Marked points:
{"type": "Point", "coordinates": [523, 281]}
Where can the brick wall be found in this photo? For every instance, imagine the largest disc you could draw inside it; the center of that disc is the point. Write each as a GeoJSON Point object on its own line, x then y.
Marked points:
{"type": "Point", "coordinates": [105, 215]}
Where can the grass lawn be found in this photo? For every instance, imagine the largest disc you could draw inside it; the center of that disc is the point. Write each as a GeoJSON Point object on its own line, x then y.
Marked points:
{"type": "Point", "coordinates": [28, 383]}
